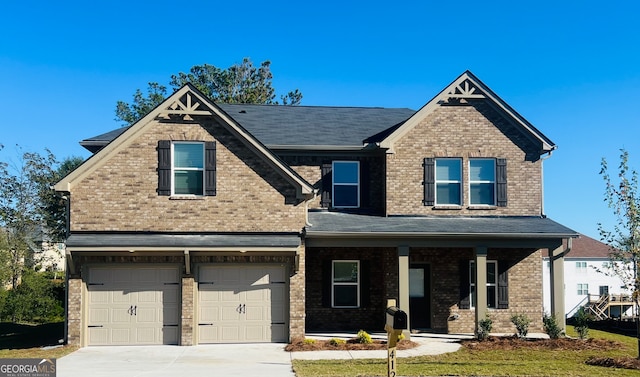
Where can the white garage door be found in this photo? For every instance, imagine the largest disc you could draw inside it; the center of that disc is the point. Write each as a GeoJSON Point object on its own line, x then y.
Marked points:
{"type": "Point", "coordinates": [133, 305]}
{"type": "Point", "coordinates": [242, 304]}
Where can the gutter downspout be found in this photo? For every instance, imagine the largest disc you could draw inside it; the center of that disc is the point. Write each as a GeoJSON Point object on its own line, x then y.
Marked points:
{"type": "Point", "coordinates": [542, 214]}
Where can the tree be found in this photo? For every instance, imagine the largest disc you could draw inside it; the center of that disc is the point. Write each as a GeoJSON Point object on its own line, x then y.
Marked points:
{"type": "Point", "coordinates": [53, 206]}
{"type": "Point", "coordinates": [623, 197]}
{"type": "Point", "coordinates": [240, 83]}
{"type": "Point", "coordinates": [28, 206]}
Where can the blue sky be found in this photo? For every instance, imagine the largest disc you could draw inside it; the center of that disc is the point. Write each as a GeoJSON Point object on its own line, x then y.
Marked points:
{"type": "Point", "coordinates": [572, 68]}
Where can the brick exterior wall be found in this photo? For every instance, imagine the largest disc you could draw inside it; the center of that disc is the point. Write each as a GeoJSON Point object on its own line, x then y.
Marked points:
{"type": "Point", "coordinates": [188, 318]}
{"type": "Point", "coordinates": [75, 324]}
{"type": "Point", "coordinates": [382, 284]}
{"type": "Point", "coordinates": [121, 194]}
{"type": "Point", "coordinates": [463, 131]}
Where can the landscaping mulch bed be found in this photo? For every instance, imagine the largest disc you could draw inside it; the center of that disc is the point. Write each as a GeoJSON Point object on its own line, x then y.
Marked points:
{"type": "Point", "coordinates": [350, 345]}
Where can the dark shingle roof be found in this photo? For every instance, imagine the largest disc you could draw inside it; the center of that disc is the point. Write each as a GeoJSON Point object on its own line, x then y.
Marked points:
{"type": "Point", "coordinates": [314, 126]}
{"type": "Point", "coordinates": [299, 126]}
{"type": "Point", "coordinates": [532, 227]}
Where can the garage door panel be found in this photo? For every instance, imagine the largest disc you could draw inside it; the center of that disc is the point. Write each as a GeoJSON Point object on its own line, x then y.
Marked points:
{"type": "Point", "coordinates": [238, 300]}
{"type": "Point", "coordinates": [131, 305]}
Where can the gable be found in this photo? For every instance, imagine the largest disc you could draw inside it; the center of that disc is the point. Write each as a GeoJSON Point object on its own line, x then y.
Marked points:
{"type": "Point", "coordinates": [468, 89]}
{"type": "Point", "coordinates": [186, 105]}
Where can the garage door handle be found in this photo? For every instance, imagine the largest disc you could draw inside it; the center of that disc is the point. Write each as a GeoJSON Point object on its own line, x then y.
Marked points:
{"type": "Point", "coordinates": [242, 308]}
{"type": "Point", "coordinates": [132, 310]}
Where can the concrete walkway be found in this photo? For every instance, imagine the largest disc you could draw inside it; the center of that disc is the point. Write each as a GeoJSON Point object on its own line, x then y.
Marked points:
{"type": "Point", "coordinates": [265, 359]}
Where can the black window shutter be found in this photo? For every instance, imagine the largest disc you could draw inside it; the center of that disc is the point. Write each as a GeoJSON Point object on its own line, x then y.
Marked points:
{"type": "Point", "coordinates": [364, 184]}
{"type": "Point", "coordinates": [365, 283]}
{"type": "Point", "coordinates": [210, 168]}
{"type": "Point", "coordinates": [429, 181]}
{"type": "Point", "coordinates": [503, 285]}
{"type": "Point", "coordinates": [465, 300]}
{"type": "Point", "coordinates": [327, 181]}
{"type": "Point", "coordinates": [501, 182]}
{"type": "Point", "coordinates": [326, 283]}
{"type": "Point", "coordinates": [164, 167]}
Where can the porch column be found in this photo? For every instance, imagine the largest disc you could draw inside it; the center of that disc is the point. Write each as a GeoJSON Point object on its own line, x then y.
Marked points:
{"type": "Point", "coordinates": [403, 283]}
{"type": "Point", "coordinates": [556, 257]}
{"type": "Point", "coordinates": [481, 284]}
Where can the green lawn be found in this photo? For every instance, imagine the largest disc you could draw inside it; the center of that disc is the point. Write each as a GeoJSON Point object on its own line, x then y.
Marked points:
{"type": "Point", "coordinates": [32, 341]}
{"type": "Point", "coordinates": [465, 362]}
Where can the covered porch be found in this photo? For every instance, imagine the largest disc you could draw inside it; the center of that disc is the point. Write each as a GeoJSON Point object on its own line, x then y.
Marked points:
{"type": "Point", "coordinates": [431, 266]}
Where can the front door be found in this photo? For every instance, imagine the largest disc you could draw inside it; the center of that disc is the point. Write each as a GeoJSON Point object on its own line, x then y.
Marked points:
{"type": "Point", "coordinates": [420, 296]}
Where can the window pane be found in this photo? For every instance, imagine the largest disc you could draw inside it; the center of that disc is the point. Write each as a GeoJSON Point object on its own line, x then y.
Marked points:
{"type": "Point", "coordinates": [345, 272]}
{"type": "Point", "coordinates": [482, 170]}
{"type": "Point", "coordinates": [448, 193]}
{"type": "Point", "coordinates": [188, 182]}
{"type": "Point", "coordinates": [345, 196]}
{"type": "Point", "coordinates": [416, 282]}
{"type": "Point", "coordinates": [188, 155]}
{"type": "Point", "coordinates": [448, 170]}
{"type": "Point", "coordinates": [491, 273]}
{"type": "Point", "coordinates": [482, 193]}
{"type": "Point", "coordinates": [345, 295]}
{"type": "Point", "coordinates": [345, 172]}
{"type": "Point", "coordinates": [491, 297]}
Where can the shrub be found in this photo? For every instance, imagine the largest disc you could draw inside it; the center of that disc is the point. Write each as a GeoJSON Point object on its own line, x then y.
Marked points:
{"type": "Point", "coordinates": [400, 337]}
{"type": "Point", "coordinates": [36, 300]}
{"type": "Point", "coordinates": [336, 342]}
{"type": "Point", "coordinates": [309, 341]}
{"type": "Point", "coordinates": [363, 337]}
{"type": "Point", "coordinates": [551, 326]}
{"type": "Point", "coordinates": [521, 321]}
{"type": "Point", "coordinates": [582, 319]}
{"type": "Point", "coordinates": [484, 328]}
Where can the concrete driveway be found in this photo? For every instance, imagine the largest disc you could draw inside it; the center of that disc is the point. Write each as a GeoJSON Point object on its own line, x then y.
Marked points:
{"type": "Point", "coordinates": [265, 360]}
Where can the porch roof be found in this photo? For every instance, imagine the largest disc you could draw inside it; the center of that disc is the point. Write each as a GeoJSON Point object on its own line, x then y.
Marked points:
{"type": "Point", "coordinates": [332, 224]}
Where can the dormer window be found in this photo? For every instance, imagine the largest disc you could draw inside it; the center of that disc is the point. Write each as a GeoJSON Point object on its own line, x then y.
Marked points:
{"type": "Point", "coordinates": [346, 184]}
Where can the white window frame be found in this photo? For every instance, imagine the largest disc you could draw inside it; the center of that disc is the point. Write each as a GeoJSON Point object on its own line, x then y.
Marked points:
{"type": "Point", "coordinates": [175, 168]}
{"type": "Point", "coordinates": [447, 182]}
{"type": "Point", "coordinates": [334, 184]}
{"type": "Point", "coordinates": [334, 283]}
{"type": "Point", "coordinates": [472, 284]}
{"type": "Point", "coordinates": [583, 289]}
{"type": "Point", "coordinates": [493, 183]}
{"type": "Point", "coordinates": [581, 266]}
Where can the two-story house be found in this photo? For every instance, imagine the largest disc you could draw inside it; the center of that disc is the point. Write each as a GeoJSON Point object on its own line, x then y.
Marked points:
{"type": "Point", "coordinates": [208, 223]}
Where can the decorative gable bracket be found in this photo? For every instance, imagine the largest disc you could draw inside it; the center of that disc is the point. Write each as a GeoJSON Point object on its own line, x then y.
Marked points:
{"type": "Point", "coordinates": [464, 90]}
{"type": "Point", "coordinates": [186, 107]}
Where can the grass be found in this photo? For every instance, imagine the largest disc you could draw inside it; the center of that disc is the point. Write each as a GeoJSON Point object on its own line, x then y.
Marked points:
{"type": "Point", "coordinates": [22, 341]}
{"type": "Point", "coordinates": [467, 362]}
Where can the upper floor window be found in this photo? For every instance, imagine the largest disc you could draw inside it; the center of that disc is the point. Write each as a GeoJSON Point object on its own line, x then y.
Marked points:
{"type": "Point", "coordinates": [583, 289]}
{"type": "Point", "coordinates": [346, 184]}
{"type": "Point", "coordinates": [448, 181]}
{"type": "Point", "coordinates": [186, 168]}
{"type": "Point", "coordinates": [482, 181]}
{"type": "Point", "coordinates": [443, 182]}
{"type": "Point", "coordinates": [345, 282]}
{"type": "Point", "coordinates": [581, 266]}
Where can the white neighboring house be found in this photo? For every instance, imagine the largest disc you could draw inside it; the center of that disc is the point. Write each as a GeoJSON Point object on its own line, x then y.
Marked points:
{"type": "Point", "coordinates": [49, 254]}
{"type": "Point", "coordinates": [584, 284]}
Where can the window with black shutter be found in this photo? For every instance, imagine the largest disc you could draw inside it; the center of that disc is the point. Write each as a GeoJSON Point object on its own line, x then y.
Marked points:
{"type": "Point", "coordinates": [186, 168]}
{"type": "Point", "coordinates": [497, 285]}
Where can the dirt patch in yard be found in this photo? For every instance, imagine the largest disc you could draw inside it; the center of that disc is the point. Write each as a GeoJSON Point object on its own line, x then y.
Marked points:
{"type": "Point", "coordinates": [511, 343]}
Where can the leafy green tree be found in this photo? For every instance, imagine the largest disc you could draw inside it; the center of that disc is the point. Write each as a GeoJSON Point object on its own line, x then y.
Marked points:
{"type": "Point", "coordinates": [21, 213]}
{"type": "Point", "coordinates": [52, 204]}
{"type": "Point", "coordinates": [36, 299]}
{"type": "Point", "coordinates": [622, 195]}
{"type": "Point", "coordinates": [240, 83]}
